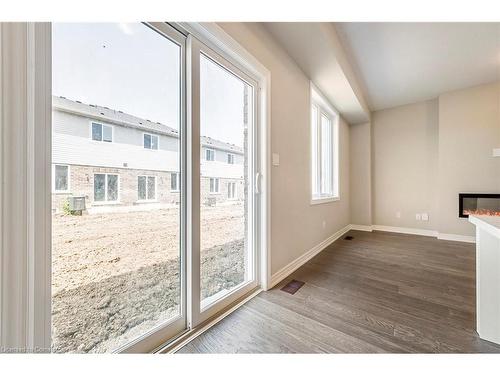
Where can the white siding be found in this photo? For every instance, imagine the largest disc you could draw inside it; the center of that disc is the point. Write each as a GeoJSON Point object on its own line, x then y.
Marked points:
{"type": "Point", "coordinates": [218, 169]}
{"type": "Point", "coordinates": [72, 144]}
{"type": "Point", "coordinates": [69, 149]}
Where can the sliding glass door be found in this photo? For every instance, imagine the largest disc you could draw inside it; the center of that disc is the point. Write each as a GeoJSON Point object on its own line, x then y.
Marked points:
{"type": "Point", "coordinates": [154, 204]}
{"type": "Point", "coordinates": [118, 264]}
{"type": "Point", "coordinates": [224, 136]}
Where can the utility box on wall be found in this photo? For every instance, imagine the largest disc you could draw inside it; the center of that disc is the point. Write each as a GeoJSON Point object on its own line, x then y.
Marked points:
{"type": "Point", "coordinates": [76, 203]}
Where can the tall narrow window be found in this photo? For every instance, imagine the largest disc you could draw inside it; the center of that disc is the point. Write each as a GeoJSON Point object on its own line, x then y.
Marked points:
{"type": "Point", "coordinates": [146, 188]}
{"type": "Point", "coordinates": [324, 149]}
{"type": "Point", "coordinates": [214, 185]}
{"type": "Point", "coordinates": [231, 190]}
{"type": "Point", "coordinates": [230, 158]}
{"type": "Point", "coordinates": [174, 182]}
{"type": "Point", "coordinates": [209, 154]}
{"type": "Point", "coordinates": [105, 187]}
{"type": "Point", "coordinates": [61, 178]}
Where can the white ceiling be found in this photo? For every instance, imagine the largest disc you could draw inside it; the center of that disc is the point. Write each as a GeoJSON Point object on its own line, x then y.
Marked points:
{"type": "Point", "coordinates": [317, 50]}
{"type": "Point", "coordinates": [401, 63]}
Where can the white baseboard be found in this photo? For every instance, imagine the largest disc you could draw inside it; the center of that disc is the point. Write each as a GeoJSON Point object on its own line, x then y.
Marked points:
{"type": "Point", "coordinates": [426, 232]}
{"type": "Point", "coordinates": [456, 237]}
{"type": "Point", "coordinates": [364, 228]}
{"type": "Point", "coordinates": [292, 266]}
{"type": "Point", "coordinates": [417, 231]}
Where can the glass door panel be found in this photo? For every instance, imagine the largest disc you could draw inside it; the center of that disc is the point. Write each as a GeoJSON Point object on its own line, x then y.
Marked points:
{"type": "Point", "coordinates": [226, 171]}
{"type": "Point", "coordinates": [117, 202]}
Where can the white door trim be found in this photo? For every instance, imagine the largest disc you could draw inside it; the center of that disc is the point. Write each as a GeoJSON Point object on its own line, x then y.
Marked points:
{"type": "Point", "coordinates": [25, 159]}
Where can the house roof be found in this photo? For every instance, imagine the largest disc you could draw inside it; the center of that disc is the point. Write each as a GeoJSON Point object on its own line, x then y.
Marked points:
{"type": "Point", "coordinates": [116, 117]}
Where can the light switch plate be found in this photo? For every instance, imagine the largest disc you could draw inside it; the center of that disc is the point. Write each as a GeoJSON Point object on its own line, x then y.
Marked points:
{"type": "Point", "coordinates": [418, 216]}
{"type": "Point", "coordinates": [425, 216]}
{"type": "Point", "coordinates": [276, 159]}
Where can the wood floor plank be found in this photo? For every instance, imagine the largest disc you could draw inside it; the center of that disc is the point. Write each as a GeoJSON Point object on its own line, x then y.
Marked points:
{"type": "Point", "coordinates": [380, 292]}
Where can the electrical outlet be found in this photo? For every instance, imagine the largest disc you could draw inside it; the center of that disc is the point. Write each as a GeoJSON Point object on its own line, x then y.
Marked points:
{"type": "Point", "coordinates": [418, 217]}
{"type": "Point", "coordinates": [425, 216]}
{"type": "Point", "coordinates": [398, 215]}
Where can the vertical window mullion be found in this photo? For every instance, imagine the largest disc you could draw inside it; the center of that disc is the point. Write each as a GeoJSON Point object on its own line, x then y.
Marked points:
{"type": "Point", "coordinates": [332, 158]}
{"type": "Point", "coordinates": [320, 152]}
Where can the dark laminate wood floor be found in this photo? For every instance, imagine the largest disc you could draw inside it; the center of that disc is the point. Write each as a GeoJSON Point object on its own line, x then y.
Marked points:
{"type": "Point", "coordinates": [380, 292]}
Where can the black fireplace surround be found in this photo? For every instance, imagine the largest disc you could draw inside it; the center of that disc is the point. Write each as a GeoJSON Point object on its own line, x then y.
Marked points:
{"type": "Point", "coordinates": [478, 204]}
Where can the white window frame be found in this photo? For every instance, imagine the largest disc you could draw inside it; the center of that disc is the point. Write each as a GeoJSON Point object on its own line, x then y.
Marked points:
{"type": "Point", "coordinates": [230, 158]}
{"type": "Point", "coordinates": [102, 131]}
{"type": "Point", "coordinates": [106, 201]}
{"type": "Point", "coordinates": [209, 150]}
{"type": "Point", "coordinates": [177, 189]}
{"type": "Point", "coordinates": [216, 185]}
{"type": "Point", "coordinates": [151, 148]}
{"type": "Point", "coordinates": [155, 199]}
{"type": "Point", "coordinates": [54, 190]}
{"type": "Point", "coordinates": [229, 184]}
{"type": "Point", "coordinates": [323, 108]}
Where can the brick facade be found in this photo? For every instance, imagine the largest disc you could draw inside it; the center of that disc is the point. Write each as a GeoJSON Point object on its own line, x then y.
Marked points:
{"type": "Point", "coordinates": [81, 183]}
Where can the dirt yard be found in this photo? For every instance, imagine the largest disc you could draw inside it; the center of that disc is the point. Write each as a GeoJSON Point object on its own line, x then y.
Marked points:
{"type": "Point", "coordinates": [116, 275]}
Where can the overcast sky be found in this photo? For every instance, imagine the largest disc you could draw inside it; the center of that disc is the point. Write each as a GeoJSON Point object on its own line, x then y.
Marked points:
{"type": "Point", "coordinates": [131, 68]}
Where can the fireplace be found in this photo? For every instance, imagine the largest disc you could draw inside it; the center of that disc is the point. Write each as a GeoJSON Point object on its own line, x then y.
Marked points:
{"type": "Point", "coordinates": [478, 204]}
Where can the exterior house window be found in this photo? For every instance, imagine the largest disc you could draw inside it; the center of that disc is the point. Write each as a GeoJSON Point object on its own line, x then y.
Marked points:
{"type": "Point", "coordinates": [324, 149]}
{"type": "Point", "coordinates": [230, 158]}
{"type": "Point", "coordinates": [214, 185]}
{"type": "Point", "coordinates": [146, 188]}
{"type": "Point", "coordinates": [231, 190]}
{"type": "Point", "coordinates": [101, 132]}
{"type": "Point", "coordinates": [174, 181]}
{"type": "Point", "coordinates": [150, 141]}
{"type": "Point", "coordinates": [209, 154]}
{"type": "Point", "coordinates": [61, 178]}
{"type": "Point", "coordinates": [106, 187]}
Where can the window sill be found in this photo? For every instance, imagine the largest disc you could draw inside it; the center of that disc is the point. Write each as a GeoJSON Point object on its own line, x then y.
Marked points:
{"type": "Point", "coordinates": [324, 200]}
{"type": "Point", "coordinates": [110, 203]}
{"type": "Point", "coordinates": [61, 192]}
{"type": "Point", "coordinates": [175, 191]}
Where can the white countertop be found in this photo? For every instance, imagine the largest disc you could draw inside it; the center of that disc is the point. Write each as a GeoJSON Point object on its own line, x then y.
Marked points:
{"type": "Point", "coordinates": [488, 223]}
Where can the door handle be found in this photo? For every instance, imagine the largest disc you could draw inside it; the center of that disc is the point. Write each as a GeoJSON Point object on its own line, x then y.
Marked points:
{"type": "Point", "coordinates": [258, 177]}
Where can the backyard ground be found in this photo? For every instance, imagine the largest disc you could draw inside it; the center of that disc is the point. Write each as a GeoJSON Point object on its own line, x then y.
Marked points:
{"type": "Point", "coordinates": [116, 275]}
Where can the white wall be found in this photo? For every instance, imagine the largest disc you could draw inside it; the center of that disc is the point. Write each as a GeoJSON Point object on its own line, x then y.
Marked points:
{"type": "Point", "coordinates": [360, 174]}
{"type": "Point", "coordinates": [469, 128]}
{"type": "Point", "coordinates": [426, 153]}
{"type": "Point", "coordinates": [405, 164]}
{"type": "Point", "coordinates": [296, 225]}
